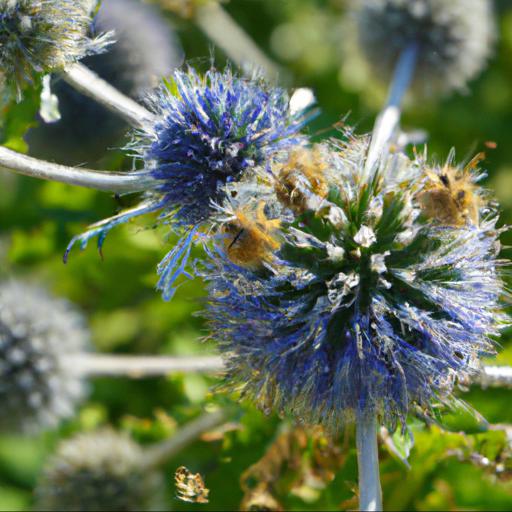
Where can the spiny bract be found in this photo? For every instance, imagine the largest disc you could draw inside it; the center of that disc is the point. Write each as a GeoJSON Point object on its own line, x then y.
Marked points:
{"type": "Point", "coordinates": [97, 471]}
{"type": "Point", "coordinates": [454, 38]}
{"type": "Point", "coordinates": [210, 131]}
{"type": "Point", "coordinates": [40, 36]}
{"type": "Point", "coordinates": [37, 387]}
{"type": "Point", "coordinates": [368, 305]}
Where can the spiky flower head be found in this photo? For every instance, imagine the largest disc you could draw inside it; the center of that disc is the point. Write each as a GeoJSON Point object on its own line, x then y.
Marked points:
{"type": "Point", "coordinates": [145, 49]}
{"type": "Point", "coordinates": [454, 38]}
{"type": "Point", "coordinates": [40, 36]}
{"type": "Point", "coordinates": [383, 294]}
{"type": "Point", "coordinates": [210, 131]}
{"type": "Point", "coordinates": [100, 470]}
{"type": "Point", "coordinates": [37, 332]}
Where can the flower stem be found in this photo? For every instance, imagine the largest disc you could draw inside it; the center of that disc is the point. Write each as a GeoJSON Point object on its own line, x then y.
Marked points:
{"type": "Point", "coordinates": [160, 453]}
{"type": "Point", "coordinates": [386, 124]}
{"type": "Point", "coordinates": [495, 377]}
{"type": "Point", "coordinates": [97, 365]}
{"type": "Point", "coordinates": [117, 182]}
{"type": "Point", "coordinates": [388, 120]}
{"type": "Point", "coordinates": [223, 30]}
{"type": "Point", "coordinates": [370, 493]}
{"type": "Point", "coordinates": [90, 84]}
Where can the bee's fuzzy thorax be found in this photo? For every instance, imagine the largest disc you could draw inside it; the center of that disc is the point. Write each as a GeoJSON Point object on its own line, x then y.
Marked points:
{"type": "Point", "coordinates": [250, 238]}
{"type": "Point", "coordinates": [300, 178]}
{"type": "Point", "coordinates": [451, 196]}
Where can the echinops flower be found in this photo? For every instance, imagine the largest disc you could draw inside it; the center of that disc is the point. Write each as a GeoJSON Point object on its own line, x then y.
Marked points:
{"type": "Point", "coordinates": [41, 36]}
{"type": "Point", "coordinates": [375, 292]}
{"type": "Point", "coordinates": [210, 131]}
{"type": "Point", "coordinates": [454, 38]}
{"type": "Point", "coordinates": [97, 471]}
{"type": "Point", "coordinates": [37, 388]}
{"type": "Point", "coordinates": [145, 49]}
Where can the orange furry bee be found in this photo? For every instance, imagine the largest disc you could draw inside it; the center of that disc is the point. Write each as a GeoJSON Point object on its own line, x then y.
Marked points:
{"type": "Point", "coordinates": [301, 177]}
{"type": "Point", "coordinates": [253, 239]}
{"type": "Point", "coordinates": [451, 196]}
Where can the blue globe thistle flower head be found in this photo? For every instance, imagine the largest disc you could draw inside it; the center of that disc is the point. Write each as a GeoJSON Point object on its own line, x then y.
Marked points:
{"type": "Point", "coordinates": [373, 293]}
{"type": "Point", "coordinates": [210, 131]}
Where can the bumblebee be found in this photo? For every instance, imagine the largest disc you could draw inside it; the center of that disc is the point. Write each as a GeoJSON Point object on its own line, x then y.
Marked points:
{"type": "Point", "coordinates": [451, 196]}
{"type": "Point", "coordinates": [251, 238]}
{"type": "Point", "coordinates": [301, 178]}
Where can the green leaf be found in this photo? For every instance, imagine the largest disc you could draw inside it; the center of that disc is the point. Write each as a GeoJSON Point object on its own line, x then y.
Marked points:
{"type": "Point", "coordinates": [17, 118]}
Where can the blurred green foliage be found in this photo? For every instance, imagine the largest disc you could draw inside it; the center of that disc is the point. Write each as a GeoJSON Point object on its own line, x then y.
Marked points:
{"type": "Point", "coordinates": [465, 466]}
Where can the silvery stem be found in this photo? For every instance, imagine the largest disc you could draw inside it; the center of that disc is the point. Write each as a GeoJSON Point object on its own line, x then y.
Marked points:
{"type": "Point", "coordinates": [162, 452]}
{"type": "Point", "coordinates": [223, 30]}
{"type": "Point", "coordinates": [90, 84]}
{"type": "Point", "coordinates": [117, 182]}
{"type": "Point", "coordinates": [495, 377]}
{"type": "Point", "coordinates": [370, 493]}
{"type": "Point", "coordinates": [388, 120]}
{"type": "Point", "coordinates": [133, 366]}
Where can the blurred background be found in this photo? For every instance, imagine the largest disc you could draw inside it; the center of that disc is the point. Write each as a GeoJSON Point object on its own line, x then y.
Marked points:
{"type": "Point", "coordinates": [460, 467]}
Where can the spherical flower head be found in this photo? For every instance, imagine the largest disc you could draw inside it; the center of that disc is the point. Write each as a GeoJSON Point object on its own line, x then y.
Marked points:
{"type": "Point", "coordinates": [37, 387]}
{"type": "Point", "coordinates": [454, 38]}
{"type": "Point", "coordinates": [40, 36]}
{"type": "Point", "coordinates": [371, 304]}
{"type": "Point", "coordinates": [210, 131]}
{"type": "Point", "coordinates": [97, 471]}
{"type": "Point", "coordinates": [145, 49]}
